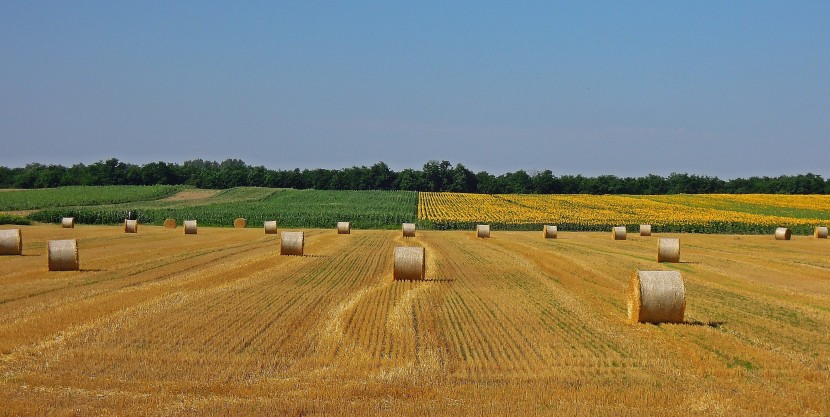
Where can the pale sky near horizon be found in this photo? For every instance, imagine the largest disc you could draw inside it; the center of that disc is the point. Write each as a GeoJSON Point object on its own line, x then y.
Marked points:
{"type": "Point", "coordinates": [728, 89]}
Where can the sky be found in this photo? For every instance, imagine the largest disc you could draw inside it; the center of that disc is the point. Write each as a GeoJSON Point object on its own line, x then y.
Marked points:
{"type": "Point", "coordinates": [627, 88]}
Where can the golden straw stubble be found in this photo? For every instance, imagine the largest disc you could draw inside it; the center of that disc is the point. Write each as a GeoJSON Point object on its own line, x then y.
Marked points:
{"type": "Point", "coordinates": [408, 230]}
{"type": "Point", "coordinates": [783, 233]}
{"type": "Point", "coordinates": [292, 243]}
{"type": "Point", "coordinates": [62, 255]}
{"type": "Point", "coordinates": [656, 297]}
{"type": "Point", "coordinates": [130, 226]}
{"type": "Point", "coordinates": [11, 242]}
{"type": "Point", "coordinates": [409, 263]}
{"type": "Point", "coordinates": [668, 250]}
{"type": "Point", "coordinates": [344, 228]}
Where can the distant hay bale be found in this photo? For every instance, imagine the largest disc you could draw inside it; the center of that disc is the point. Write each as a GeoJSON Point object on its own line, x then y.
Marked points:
{"type": "Point", "coordinates": [483, 230]}
{"type": "Point", "coordinates": [170, 223]}
{"type": "Point", "coordinates": [344, 228]}
{"type": "Point", "coordinates": [618, 233]}
{"type": "Point", "coordinates": [130, 226]}
{"type": "Point", "coordinates": [11, 242]}
{"type": "Point", "coordinates": [409, 263]}
{"type": "Point", "coordinates": [783, 233]}
{"type": "Point", "coordinates": [820, 232]}
{"type": "Point", "coordinates": [240, 223]}
{"type": "Point", "coordinates": [270, 227]}
{"type": "Point", "coordinates": [656, 297]}
{"type": "Point", "coordinates": [190, 227]}
{"type": "Point", "coordinates": [68, 222]}
{"type": "Point", "coordinates": [645, 230]}
{"type": "Point", "coordinates": [549, 232]}
{"type": "Point", "coordinates": [668, 250]}
{"type": "Point", "coordinates": [409, 230]}
{"type": "Point", "coordinates": [292, 243]}
{"type": "Point", "coordinates": [62, 255]}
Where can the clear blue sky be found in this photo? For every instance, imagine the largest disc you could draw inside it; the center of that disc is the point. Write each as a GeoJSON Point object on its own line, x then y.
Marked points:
{"type": "Point", "coordinates": [731, 89]}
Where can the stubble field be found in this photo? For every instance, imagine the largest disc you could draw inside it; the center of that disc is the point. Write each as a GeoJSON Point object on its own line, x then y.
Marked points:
{"type": "Point", "coordinates": [162, 323]}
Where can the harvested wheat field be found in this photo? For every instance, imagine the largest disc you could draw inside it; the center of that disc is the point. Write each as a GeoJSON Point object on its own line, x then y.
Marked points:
{"type": "Point", "coordinates": [218, 323]}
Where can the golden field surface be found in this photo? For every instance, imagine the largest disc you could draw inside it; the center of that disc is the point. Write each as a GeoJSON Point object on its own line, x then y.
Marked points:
{"type": "Point", "coordinates": [162, 323]}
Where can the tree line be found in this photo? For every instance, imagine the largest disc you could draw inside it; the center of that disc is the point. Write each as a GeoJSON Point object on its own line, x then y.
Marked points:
{"type": "Point", "coordinates": [433, 176]}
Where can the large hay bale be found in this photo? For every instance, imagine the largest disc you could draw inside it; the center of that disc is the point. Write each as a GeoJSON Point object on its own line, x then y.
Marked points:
{"type": "Point", "coordinates": [483, 230]}
{"type": "Point", "coordinates": [130, 226]}
{"type": "Point", "coordinates": [11, 242]}
{"type": "Point", "coordinates": [656, 297]}
{"type": "Point", "coordinates": [344, 228]}
{"type": "Point", "coordinates": [270, 227]}
{"type": "Point", "coordinates": [668, 250]}
{"type": "Point", "coordinates": [645, 230]}
{"type": "Point", "coordinates": [240, 223]}
{"type": "Point", "coordinates": [549, 232]}
{"type": "Point", "coordinates": [68, 222]}
{"type": "Point", "coordinates": [62, 255]}
{"type": "Point", "coordinates": [190, 227]}
{"type": "Point", "coordinates": [170, 223]}
{"type": "Point", "coordinates": [783, 233]}
{"type": "Point", "coordinates": [618, 233]}
{"type": "Point", "coordinates": [820, 232]}
{"type": "Point", "coordinates": [292, 243]}
{"type": "Point", "coordinates": [409, 230]}
{"type": "Point", "coordinates": [410, 263]}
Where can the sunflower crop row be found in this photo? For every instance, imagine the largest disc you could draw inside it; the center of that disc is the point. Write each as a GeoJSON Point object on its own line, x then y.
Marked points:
{"type": "Point", "coordinates": [690, 213]}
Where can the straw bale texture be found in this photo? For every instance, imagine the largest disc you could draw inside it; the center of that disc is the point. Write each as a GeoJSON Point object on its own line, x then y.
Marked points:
{"type": "Point", "coordinates": [169, 223]}
{"type": "Point", "coordinates": [656, 297]}
{"type": "Point", "coordinates": [645, 230]}
{"type": "Point", "coordinates": [130, 226]}
{"type": "Point", "coordinates": [68, 222]}
{"type": "Point", "coordinates": [483, 230]}
{"type": "Point", "coordinates": [549, 231]}
{"type": "Point", "coordinates": [292, 243]}
{"type": "Point", "coordinates": [270, 227]}
{"type": "Point", "coordinates": [783, 233]}
{"type": "Point", "coordinates": [409, 230]}
{"type": "Point", "coordinates": [668, 250]}
{"type": "Point", "coordinates": [240, 223]}
{"type": "Point", "coordinates": [618, 233]}
{"type": "Point", "coordinates": [410, 263]}
{"type": "Point", "coordinates": [820, 232]}
{"type": "Point", "coordinates": [190, 227]}
{"type": "Point", "coordinates": [62, 255]}
{"type": "Point", "coordinates": [11, 242]}
{"type": "Point", "coordinates": [344, 228]}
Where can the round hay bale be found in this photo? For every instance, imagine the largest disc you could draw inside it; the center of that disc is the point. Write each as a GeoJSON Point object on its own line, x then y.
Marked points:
{"type": "Point", "coordinates": [483, 230]}
{"type": "Point", "coordinates": [11, 242]}
{"type": "Point", "coordinates": [656, 297]}
{"type": "Point", "coordinates": [190, 227]}
{"type": "Point", "coordinates": [344, 228]}
{"type": "Point", "coordinates": [68, 222]}
{"type": "Point", "coordinates": [240, 223]}
{"type": "Point", "coordinates": [270, 227]}
{"type": "Point", "coordinates": [549, 232]}
{"type": "Point", "coordinates": [62, 255]}
{"type": "Point", "coordinates": [618, 233]}
{"type": "Point", "coordinates": [668, 250]}
{"type": "Point", "coordinates": [820, 232]}
{"type": "Point", "coordinates": [783, 233]}
{"type": "Point", "coordinates": [409, 230]}
{"type": "Point", "coordinates": [410, 263]}
{"type": "Point", "coordinates": [292, 243]}
{"type": "Point", "coordinates": [645, 230]}
{"type": "Point", "coordinates": [130, 226]}
{"type": "Point", "coordinates": [170, 223]}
